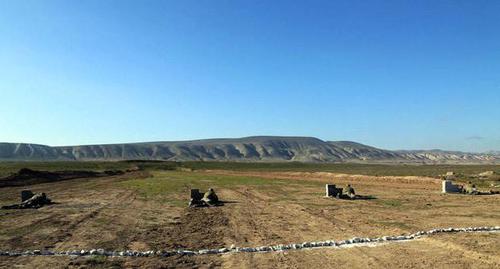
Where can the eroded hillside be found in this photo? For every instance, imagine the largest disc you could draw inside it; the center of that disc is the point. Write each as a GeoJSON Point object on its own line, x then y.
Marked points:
{"type": "Point", "coordinates": [260, 148]}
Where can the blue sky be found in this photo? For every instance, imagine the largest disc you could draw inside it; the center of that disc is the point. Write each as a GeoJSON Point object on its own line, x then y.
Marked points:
{"type": "Point", "coordinates": [392, 74]}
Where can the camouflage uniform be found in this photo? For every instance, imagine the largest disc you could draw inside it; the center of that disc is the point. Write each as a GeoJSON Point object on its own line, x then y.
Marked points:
{"type": "Point", "coordinates": [38, 200]}
{"type": "Point", "coordinates": [210, 197]}
{"type": "Point", "coordinates": [350, 191]}
{"type": "Point", "coordinates": [471, 188]}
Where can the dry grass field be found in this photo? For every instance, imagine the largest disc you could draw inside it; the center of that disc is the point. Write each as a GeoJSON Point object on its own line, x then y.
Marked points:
{"type": "Point", "coordinates": [147, 209]}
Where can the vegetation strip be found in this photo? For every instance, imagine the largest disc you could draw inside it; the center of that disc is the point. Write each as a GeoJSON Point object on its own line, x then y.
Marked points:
{"type": "Point", "coordinates": [356, 241]}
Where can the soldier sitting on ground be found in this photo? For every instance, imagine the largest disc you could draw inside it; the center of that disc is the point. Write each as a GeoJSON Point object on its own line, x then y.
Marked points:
{"type": "Point", "coordinates": [471, 188]}
{"type": "Point", "coordinates": [36, 201]}
{"type": "Point", "coordinates": [211, 198]}
{"type": "Point", "coordinates": [350, 191]}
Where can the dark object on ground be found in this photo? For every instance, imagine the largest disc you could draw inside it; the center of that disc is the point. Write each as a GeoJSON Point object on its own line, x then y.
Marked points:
{"type": "Point", "coordinates": [196, 198]}
{"type": "Point", "coordinates": [491, 192]}
{"type": "Point", "coordinates": [27, 176]}
{"type": "Point", "coordinates": [113, 172]}
{"type": "Point", "coordinates": [363, 197]}
{"type": "Point", "coordinates": [350, 193]}
{"type": "Point", "coordinates": [196, 194]}
{"type": "Point", "coordinates": [333, 191]}
{"type": "Point", "coordinates": [199, 199]}
{"type": "Point", "coordinates": [26, 194]}
{"type": "Point", "coordinates": [38, 200]}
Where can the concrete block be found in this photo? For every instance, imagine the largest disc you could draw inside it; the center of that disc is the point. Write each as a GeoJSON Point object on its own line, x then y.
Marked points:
{"type": "Point", "coordinates": [332, 190]}
{"type": "Point", "coordinates": [25, 195]}
{"type": "Point", "coordinates": [449, 187]}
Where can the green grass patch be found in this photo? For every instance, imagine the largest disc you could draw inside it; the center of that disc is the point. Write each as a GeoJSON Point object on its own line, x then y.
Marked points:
{"type": "Point", "coordinates": [431, 170]}
{"type": "Point", "coordinates": [348, 168]}
{"type": "Point", "coordinates": [170, 186]}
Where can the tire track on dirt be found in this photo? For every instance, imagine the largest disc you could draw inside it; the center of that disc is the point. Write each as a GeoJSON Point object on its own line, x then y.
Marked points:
{"type": "Point", "coordinates": [470, 254]}
{"type": "Point", "coordinates": [250, 223]}
{"type": "Point", "coordinates": [205, 228]}
{"type": "Point", "coordinates": [259, 214]}
{"type": "Point", "coordinates": [251, 212]}
{"type": "Point", "coordinates": [76, 227]}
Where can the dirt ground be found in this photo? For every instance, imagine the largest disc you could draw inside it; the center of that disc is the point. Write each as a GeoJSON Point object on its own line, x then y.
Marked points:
{"type": "Point", "coordinates": [284, 207]}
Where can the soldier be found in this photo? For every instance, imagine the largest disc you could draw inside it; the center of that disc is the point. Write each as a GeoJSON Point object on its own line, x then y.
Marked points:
{"type": "Point", "coordinates": [350, 191]}
{"type": "Point", "coordinates": [471, 188]}
{"type": "Point", "coordinates": [210, 197]}
{"type": "Point", "coordinates": [38, 200]}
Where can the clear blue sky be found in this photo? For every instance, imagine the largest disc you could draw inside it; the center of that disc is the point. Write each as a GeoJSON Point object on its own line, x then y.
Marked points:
{"type": "Point", "coordinates": [392, 74]}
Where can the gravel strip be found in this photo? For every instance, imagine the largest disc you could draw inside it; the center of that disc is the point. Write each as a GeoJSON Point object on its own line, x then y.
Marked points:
{"type": "Point", "coordinates": [356, 241]}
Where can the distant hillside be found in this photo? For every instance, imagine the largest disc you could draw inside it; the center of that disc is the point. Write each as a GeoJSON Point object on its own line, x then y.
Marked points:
{"type": "Point", "coordinates": [258, 148]}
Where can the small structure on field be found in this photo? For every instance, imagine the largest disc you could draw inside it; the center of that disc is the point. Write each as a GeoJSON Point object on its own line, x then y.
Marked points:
{"type": "Point", "coordinates": [30, 200]}
{"type": "Point", "coordinates": [25, 195]}
{"type": "Point", "coordinates": [333, 191]}
{"type": "Point", "coordinates": [196, 198]}
{"type": "Point", "coordinates": [196, 194]}
{"type": "Point", "coordinates": [449, 175]}
{"type": "Point", "coordinates": [449, 187]}
{"type": "Point", "coordinates": [344, 193]}
{"type": "Point", "coordinates": [199, 199]}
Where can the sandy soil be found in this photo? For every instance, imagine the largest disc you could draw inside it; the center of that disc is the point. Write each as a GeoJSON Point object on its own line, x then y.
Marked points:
{"type": "Point", "coordinates": [95, 213]}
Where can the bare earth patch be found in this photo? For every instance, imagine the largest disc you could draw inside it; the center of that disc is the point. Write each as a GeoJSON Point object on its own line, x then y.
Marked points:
{"type": "Point", "coordinates": [144, 211]}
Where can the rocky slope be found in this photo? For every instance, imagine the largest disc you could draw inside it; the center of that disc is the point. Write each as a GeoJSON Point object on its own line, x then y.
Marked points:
{"type": "Point", "coordinates": [259, 148]}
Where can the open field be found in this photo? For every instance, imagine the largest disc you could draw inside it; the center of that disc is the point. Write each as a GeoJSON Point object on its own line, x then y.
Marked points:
{"type": "Point", "coordinates": [266, 204]}
{"type": "Point", "coordinates": [345, 168]}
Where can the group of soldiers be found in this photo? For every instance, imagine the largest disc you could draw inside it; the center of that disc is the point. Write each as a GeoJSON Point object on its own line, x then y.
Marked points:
{"type": "Point", "coordinates": [203, 199]}
{"type": "Point", "coordinates": [341, 193]}
{"type": "Point", "coordinates": [470, 188]}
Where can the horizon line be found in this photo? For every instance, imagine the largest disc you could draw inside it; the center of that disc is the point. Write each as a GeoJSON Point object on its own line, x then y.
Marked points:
{"type": "Point", "coordinates": [244, 137]}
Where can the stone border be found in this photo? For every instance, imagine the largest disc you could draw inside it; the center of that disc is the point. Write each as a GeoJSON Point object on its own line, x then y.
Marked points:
{"type": "Point", "coordinates": [356, 241]}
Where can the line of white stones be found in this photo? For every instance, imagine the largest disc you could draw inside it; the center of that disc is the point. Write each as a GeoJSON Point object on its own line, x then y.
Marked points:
{"type": "Point", "coordinates": [356, 241]}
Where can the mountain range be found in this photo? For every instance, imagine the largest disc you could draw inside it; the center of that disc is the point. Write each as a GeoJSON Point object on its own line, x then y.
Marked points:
{"type": "Point", "coordinates": [256, 148]}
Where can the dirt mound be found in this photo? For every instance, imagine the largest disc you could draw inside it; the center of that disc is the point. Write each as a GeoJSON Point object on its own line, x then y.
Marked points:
{"type": "Point", "coordinates": [26, 176]}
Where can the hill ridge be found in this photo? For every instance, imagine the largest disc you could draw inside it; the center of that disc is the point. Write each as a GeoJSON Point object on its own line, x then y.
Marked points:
{"type": "Point", "coordinates": [252, 148]}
